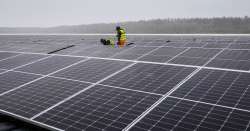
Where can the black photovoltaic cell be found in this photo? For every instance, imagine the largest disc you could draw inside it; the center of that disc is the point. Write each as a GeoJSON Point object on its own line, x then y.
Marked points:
{"type": "Point", "coordinates": [133, 53]}
{"type": "Point", "coordinates": [232, 59]}
{"type": "Point", "coordinates": [33, 98]}
{"type": "Point", "coordinates": [19, 60]}
{"type": "Point", "coordinates": [150, 77]}
{"type": "Point", "coordinates": [180, 115]}
{"type": "Point", "coordinates": [92, 70]}
{"type": "Point", "coordinates": [162, 54]}
{"type": "Point", "coordinates": [10, 80]}
{"type": "Point", "coordinates": [50, 64]}
{"type": "Point", "coordinates": [218, 87]}
{"type": "Point", "coordinates": [4, 55]}
{"type": "Point", "coordinates": [195, 56]}
{"type": "Point", "coordinates": [99, 108]}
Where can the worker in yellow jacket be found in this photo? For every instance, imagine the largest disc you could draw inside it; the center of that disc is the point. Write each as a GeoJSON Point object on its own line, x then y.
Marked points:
{"type": "Point", "coordinates": [121, 36]}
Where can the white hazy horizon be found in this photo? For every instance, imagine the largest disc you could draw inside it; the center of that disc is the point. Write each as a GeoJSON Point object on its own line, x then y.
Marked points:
{"type": "Point", "coordinates": [49, 13]}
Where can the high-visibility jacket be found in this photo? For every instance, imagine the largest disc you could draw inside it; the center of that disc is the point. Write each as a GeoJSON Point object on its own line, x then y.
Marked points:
{"type": "Point", "coordinates": [122, 34]}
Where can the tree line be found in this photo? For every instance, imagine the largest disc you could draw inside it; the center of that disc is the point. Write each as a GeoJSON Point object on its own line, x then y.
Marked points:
{"type": "Point", "coordinates": [155, 26]}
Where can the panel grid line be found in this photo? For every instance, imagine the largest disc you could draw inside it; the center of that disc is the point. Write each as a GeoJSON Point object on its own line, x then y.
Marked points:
{"type": "Point", "coordinates": [228, 107]}
{"type": "Point", "coordinates": [10, 56]}
{"type": "Point", "coordinates": [90, 83]}
{"type": "Point", "coordinates": [41, 78]}
{"type": "Point", "coordinates": [218, 53]}
{"type": "Point", "coordinates": [149, 52]}
{"type": "Point", "coordinates": [136, 61]}
{"type": "Point", "coordinates": [178, 54]}
{"type": "Point", "coordinates": [32, 62]}
{"type": "Point", "coordinates": [121, 52]}
{"type": "Point", "coordinates": [160, 100]}
{"type": "Point", "coordinates": [234, 108]}
{"type": "Point", "coordinates": [68, 98]}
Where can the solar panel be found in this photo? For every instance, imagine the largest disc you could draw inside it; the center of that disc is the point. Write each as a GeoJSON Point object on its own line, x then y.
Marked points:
{"type": "Point", "coordinates": [43, 47]}
{"type": "Point", "coordinates": [150, 77]}
{"type": "Point", "coordinates": [176, 44]}
{"type": "Point", "coordinates": [216, 45]}
{"type": "Point", "coordinates": [240, 46]}
{"type": "Point", "coordinates": [134, 53]}
{"type": "Point", "coordinates": [154, 43]}
{"type": "Point", "coordinates": [99, 108]}
{"type": "Point", "coordinates": [232, 59]}
{"type": "Point", "coordinates": [162, 54]}
{"type": "Point", "coordinates": [225, 88]}
{"type": "Point", "coordinates": [19, 60]}
{"type": "Point", "coordinates": [33, 98]}
{"type": "Point", "coordinates": [92, 70]}
{"type": "Point", "coordinates": [10, 80]}
{"type": "Point", "coordinates": [164, 93]}
{"type": "Point", "coordinates": [4, 55]}
{"type": "Point", "coordinates": [195, 44]}
{"type": "Point", "coordinates": [181, 115]}
{"type": "Point", "coordinates": [195, 56]}
{"type": "Point", "coordinates": [155, 58]}
{"type": "Point", "coordinates": [98, 51]}
{"type": "Point", "coordinates": [74, 49]}
{"type": "Point", "coordinates": [49, 65]}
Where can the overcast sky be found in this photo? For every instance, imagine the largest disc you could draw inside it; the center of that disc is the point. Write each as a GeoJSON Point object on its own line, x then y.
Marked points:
{"type": "Point", "coordinates": [46, 13]}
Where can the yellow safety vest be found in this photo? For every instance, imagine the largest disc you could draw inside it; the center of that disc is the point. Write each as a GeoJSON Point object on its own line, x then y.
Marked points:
{"type": "Point", "coordinates": [123, 34]}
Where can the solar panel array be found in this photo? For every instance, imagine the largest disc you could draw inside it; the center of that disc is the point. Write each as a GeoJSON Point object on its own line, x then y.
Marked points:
{"type": "Point", "coordinates": [187, 83]}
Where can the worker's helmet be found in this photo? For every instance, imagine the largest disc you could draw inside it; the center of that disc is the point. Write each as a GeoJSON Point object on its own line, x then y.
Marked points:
{"type": "Point", "coordinates": [118, 27]}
